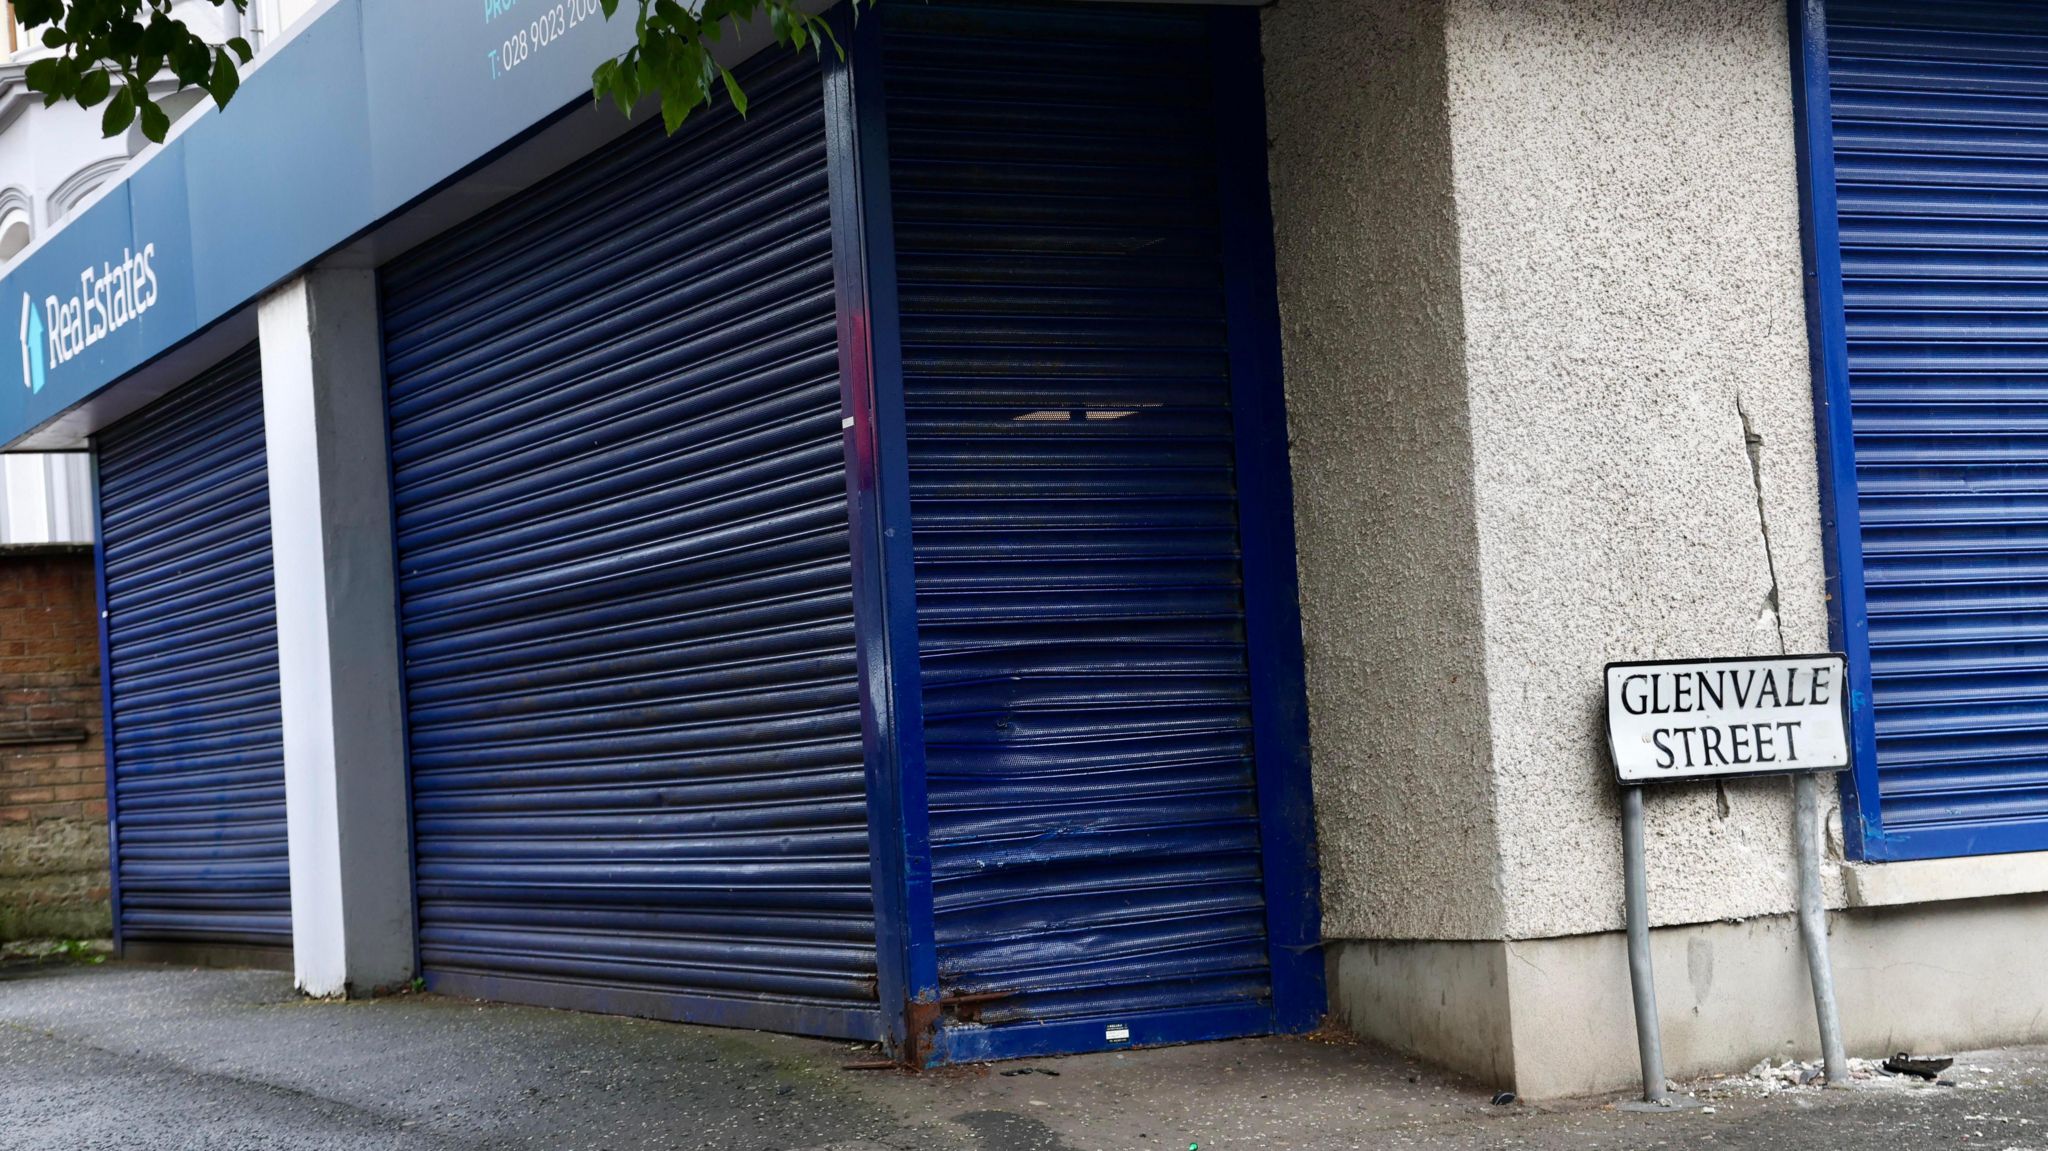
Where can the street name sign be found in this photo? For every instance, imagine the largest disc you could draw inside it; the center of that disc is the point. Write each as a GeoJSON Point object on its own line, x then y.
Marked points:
{"type": "Point", "coordinates": [1673, 720]}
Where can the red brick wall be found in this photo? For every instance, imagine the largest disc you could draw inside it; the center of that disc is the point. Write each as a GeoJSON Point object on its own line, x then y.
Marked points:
{"type": "Point", "coordinates": [53, 810]}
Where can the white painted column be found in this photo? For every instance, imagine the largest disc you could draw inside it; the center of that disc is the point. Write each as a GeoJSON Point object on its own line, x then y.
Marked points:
{"type": "Point", "coordinates": [337, 634]}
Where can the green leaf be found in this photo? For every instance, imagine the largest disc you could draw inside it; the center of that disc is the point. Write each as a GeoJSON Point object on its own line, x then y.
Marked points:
{"type": "Point", "coordinates": [670, 60]}
{"type": "Point", "coordinates": [225, 81]}
{"type": "Point", "coordinates": [732, 90]}
{"type": "Point", "coordinates": [55, 38]}
{"type": "Point", "coordinates": [191, 62]}
{"type": "Point", "coordinates": [825, 34]}
{"type": "Point", "coordinates": [119, 114]}
{"type": "Point", "coordinates": [156, 123]}
{"type": "Point", "coordinates": [162, 35]}
{"type": "Point", "coordinates": [241, 49]}
{"type": "Point", "coordinates": [42, 75]}
{"type": "Point", "coordinates": [674, 108]}
{"type": "Point", "coordinates": [93, 87]}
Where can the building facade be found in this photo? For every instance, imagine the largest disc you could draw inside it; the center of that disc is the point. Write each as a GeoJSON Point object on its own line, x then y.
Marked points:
{"type": "Point", "coordinates": [52, 160]}
{"type": "Point", "coordinates": [1075, 525]}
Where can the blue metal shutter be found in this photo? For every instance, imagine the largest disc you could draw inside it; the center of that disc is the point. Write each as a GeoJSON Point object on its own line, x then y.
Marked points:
{"type": "Point", "coordinates": [626, 598]}
{"type": "Point", "coordinates": [1941, 179]}
{"type": "Point", "coordinates": [1094, 822]}
{"type": "Point", "coordinates": [191, 631]}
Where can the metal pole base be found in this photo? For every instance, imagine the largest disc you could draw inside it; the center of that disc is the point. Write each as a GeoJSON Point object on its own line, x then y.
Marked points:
{"type": "Point", "coordinates": [1670, 1102]}
{"type": "Point", "coordinates": [1813, 928]}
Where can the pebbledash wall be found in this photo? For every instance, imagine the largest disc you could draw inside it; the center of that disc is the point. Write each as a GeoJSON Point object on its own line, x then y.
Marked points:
{"type": "Point", "coordinates": [53, 811]}
{"type": "Point", "coordinates": [1552, 405]}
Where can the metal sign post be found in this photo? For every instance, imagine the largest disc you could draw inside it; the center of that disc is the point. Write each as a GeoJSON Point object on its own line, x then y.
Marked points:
{"type": "Point", "coordinates": [1676, 720]}
{"type": "Point", "coordinates": [1642, 979]}
{"type": "Point", "coordinates": [1813, 928]}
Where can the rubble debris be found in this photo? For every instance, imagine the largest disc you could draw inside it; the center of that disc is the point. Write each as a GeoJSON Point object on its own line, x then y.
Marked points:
{"type": "Point", "coordinates": [1923, 1066]}
{"type": "Point", "coordinates": [1769, 1077]}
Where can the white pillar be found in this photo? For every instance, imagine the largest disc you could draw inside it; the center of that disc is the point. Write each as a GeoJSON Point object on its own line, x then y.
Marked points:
{"type": "Point", "coordinates": [337, 634]}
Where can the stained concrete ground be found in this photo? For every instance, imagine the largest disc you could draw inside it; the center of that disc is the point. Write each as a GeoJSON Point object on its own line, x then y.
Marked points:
{"type": "Point", "coordinates": [121, 1056]}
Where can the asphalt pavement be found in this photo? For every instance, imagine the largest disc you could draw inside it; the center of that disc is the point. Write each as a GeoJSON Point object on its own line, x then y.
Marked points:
{"type": "Point", "coordinates": [161, 1059]}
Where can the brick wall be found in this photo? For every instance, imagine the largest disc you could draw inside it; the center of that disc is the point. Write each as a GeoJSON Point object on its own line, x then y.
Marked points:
{"type": "Point", "coordinates": [53, 810]}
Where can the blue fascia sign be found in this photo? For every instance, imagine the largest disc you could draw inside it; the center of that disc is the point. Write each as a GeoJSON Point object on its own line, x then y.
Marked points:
{"type": "Point", "coordinates": [368, 107]}
{"type": "Point", "coordinates": [91, 303]}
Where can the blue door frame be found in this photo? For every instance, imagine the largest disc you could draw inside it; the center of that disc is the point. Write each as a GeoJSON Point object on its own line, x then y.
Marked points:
{"type": "Point", "coordinates": [884, 586]}
{"type": "Point", "coordinates": [1266, 500]}
{"type": "Point", "coordinates": [879, 486]}
{"type": "Point", "coordinates": [1828, 348]}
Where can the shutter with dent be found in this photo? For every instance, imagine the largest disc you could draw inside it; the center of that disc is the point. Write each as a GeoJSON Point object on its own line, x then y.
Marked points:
{"type": "Point", "coordinates": [1088, 712]}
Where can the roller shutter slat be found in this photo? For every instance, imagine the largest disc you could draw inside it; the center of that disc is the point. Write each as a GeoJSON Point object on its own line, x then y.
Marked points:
{"type": "Point", "coordinates": [1940, 117]}
{"type": "Point", "coordinates": [626, 586]}
{"type": "Point", "coordinates": [195, 732]}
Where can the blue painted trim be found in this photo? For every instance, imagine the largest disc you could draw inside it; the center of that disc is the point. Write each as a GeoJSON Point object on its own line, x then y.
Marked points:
{"type": "Point", "coordinates": [878, 485]}
{"type": "Point", "coordinates": [99, 570]}
{"type": "Point", "coordinates": [1949, 842]}
{"type": "Point", "coordinates": [1827, 339]}
{"type": "Point", "coordinates": [850, 274]}
{"type": "Point", "coordinates": [974, 1043]}
{"type": "Point", "coordinates": [891, 439]}
{"type": "Point", "coordinates": [1265, 484]}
